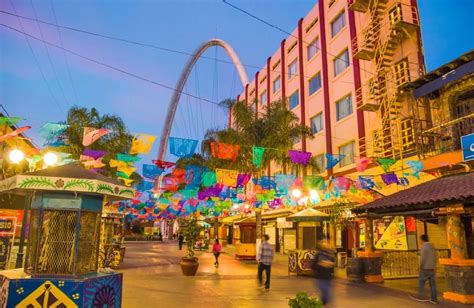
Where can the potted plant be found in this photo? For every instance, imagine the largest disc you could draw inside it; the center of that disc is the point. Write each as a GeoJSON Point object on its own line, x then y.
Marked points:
{"type": "Point", "coordinates": [190, 230]}
{"type": "Point", "coordinates": [303, 300]}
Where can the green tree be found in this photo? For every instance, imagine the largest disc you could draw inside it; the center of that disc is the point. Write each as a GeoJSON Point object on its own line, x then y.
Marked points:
{"type": "Point", "coordinates": [118, 140]}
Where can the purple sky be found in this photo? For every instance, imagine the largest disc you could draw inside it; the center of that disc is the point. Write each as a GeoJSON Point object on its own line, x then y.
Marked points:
{"type": "Point", "coordinates": [175, 24]}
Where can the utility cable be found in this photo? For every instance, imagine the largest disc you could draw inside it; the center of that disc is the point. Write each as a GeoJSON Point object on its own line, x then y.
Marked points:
{"type": "Point", "coordinates": [123, 40]}
{"type": "Point", "coordinates": [48, 54]}
{"type": "Point", "coordinates": [115, 68]}
{"type": "Point", "coordinates": [36, 59]}
{"type": "Point", "coordinates": [64, 53]}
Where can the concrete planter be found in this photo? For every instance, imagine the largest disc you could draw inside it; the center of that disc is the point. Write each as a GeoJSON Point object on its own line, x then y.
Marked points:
{"type": "Point", "coordinates": [189, 266]}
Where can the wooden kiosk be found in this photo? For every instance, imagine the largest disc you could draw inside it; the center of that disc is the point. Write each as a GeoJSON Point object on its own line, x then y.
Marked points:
{"type": "Point", "coordinates": [61, 266]}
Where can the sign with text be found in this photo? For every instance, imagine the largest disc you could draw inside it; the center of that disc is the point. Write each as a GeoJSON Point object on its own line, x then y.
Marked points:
{"type": "Point", "coordinates": [467, 145]}
{"type": "Point", "coordinates": [7, 225]}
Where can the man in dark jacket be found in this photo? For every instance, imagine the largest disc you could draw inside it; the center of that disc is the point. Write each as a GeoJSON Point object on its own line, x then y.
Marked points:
{"type": "Point", "coordinates": [323, 268]}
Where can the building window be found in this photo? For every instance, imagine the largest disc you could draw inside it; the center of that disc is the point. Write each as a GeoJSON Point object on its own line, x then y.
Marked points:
{"type": "Point", "coordinates": [348, 151]}
{"type": "Point", "coordinates": [254, 106]}
{"type": "Point", "coordinates": [263, 98]}
{"type": "Point", "coordinates": [341, 62]}
{"type": "Point", "coordinates": [344, 107]}
{"type": "Point", "coordinates": [338, 23]}
{"type": "Point", "coordinates": [294, 100]}
{"type": "Point", "coordinates": [320, 161]}
{"type": "Point", "coordinates": [315, 83]}
{"type": "Point", "coordinates": [276, 84]}
{"type": "Point", "coordinates": [313, 48]}
{"type": "Point", "coordinates": [317, 123]}
{"type": "Point", "coordinates": [292, 69]}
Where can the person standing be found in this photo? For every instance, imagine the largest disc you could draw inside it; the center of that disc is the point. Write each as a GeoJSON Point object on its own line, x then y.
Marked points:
{"type": "Point", "coordinates": [216, 250]}
{"type": "Point", "coordinates": [265, 259]}
{"type": "Point", "coordinates": [427, 269]}
{"type": "Point", "coordinates": [180, 241]}
{"type": "Point", "coordinates": [323, 268]}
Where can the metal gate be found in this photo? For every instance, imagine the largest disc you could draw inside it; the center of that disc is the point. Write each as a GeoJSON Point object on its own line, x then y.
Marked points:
{"type": "Point", "coordinates": [404, 264]}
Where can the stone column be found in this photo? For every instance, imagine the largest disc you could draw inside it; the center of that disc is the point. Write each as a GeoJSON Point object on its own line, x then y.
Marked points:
{"type": "Point", "coordinates": [459, 271]}
{"type": "Point", "coordinates": [371, 260]}
{"type": "Point", "coordinates": [456, 237]}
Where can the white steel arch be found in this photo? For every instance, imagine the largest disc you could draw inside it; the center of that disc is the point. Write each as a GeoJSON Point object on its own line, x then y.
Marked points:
{"type": "Point", "coordinates": [173, 106]}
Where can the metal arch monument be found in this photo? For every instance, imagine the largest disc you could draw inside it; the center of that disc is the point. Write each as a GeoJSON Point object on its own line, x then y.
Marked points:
{"type": "Point", "coordinates": [173, 106]}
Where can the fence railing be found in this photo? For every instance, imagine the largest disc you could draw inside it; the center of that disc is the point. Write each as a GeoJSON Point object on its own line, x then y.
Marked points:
{"type": "Point", "coordinates": [400, 264]}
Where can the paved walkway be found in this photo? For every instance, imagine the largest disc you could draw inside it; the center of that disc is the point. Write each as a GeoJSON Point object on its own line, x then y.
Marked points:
{"type": "Point", "coordinates": [153, 278]}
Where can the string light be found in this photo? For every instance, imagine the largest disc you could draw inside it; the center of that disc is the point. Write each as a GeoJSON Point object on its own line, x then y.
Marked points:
{"type": "Point", "coordinates": [50, 158]}
{"type": "Point", "coordinates": [296, 193]}
{"type": "Point", "coordinates": [16, 156]}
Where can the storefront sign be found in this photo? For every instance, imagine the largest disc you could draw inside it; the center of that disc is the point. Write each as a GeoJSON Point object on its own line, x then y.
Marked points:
{"type": "Point", "coordinates": [467, 144]}
{"type": "Point", "coordinates": [7, 225]}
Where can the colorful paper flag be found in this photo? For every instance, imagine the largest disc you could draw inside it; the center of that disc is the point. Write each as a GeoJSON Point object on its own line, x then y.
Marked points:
{"type": "Point", "coordinates": [362, 164]}
{"type": "Point", "coordinates": [333, 159]}
{"type": "Point", "coordinates": [181, 147]}
{"type": "Point", "coordinates": [416, 166]}
{"type": "Point", "coordinates": [257, 156]}
{"type": "Point", "coordinates": [227, 177]}
{"type": "Point", "coordinates": [94, 153]}
{"type": "Point", "coordinates": [225, 151]}
{"type": "Point", "coordinates": [366, 182]}
{"type": "Point", "coordinates": [163, 164]}
{"type": "Point", "coordinates": [142, 144]}
{"type": "Point", "coordinates": [14, 133]}
{"type": "Point", "coordinates": [386, 163]}
{"type": "Point", "coordinates": [389, 178]}
{"type": "Point", "coordinates": [208, 179]}
{"type": "Point", "coordinates": [127, 158]}
{"type": "Point", "coordinates": [92, 134]}
{"type": "Point", "coordinates": [9, 120]}
{"type": "Point", "coordinates": [299, 157]}
{"type": "Point", "coordinates": [243, 179]}
{"type": "Point", "coordinates": [152, 171]}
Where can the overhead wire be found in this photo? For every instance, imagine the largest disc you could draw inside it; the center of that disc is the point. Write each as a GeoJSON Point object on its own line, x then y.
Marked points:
{"type": "Point", "coordinates": [43, 76]}
{"type": "Point", "coordinates": [64, 53]}
{"type": "Point", "coordinates": [115, 68]}
{"type": "Point", "coordinates": [288, 33]}
{"type": "Point", "coordinates": [49, 55]}
{"type": "Point", "coordinates": [123, 40]}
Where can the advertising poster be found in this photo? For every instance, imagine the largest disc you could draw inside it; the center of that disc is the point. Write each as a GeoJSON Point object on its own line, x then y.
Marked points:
{"type": "Point", "coordinates": [7, 232]}
{"type": "Point", "coordinates": [390, 234]}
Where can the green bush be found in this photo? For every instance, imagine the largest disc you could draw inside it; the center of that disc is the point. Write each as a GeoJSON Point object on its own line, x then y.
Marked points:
{"type": "Point", "coordinates": [303, 300]}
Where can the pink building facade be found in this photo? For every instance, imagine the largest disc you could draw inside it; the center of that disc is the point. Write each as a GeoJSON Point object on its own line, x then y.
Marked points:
{"type": "Point", "coordinates": [341, 72]}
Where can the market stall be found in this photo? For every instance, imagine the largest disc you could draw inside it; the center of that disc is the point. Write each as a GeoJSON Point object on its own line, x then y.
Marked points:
{"type": "Point", "coordinates": [311, 228]}
{"type": "Point", "coordinates": [61, 267]}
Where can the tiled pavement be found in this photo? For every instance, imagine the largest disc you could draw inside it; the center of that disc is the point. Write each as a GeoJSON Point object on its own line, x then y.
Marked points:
{"type": "Point", "coordinates": [152, 278]}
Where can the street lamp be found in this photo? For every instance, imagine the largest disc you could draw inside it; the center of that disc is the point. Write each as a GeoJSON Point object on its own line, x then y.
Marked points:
{"type": "Point", "coordinates": [50, 158]}
{"type": "Point", "coordinates": [16, 156]}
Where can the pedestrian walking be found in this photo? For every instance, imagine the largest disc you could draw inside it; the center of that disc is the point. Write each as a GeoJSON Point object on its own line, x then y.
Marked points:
{"type": "Point", "coordinates": [216, 250]}
{"type": "Point", "coordinates": [427, 271]}
{"type": "Point", "coordinates": [265, 259]}
{"type": "Point", "coordinates": [323, 268]}
{"type": "Point", "coordinates": [180, 241]}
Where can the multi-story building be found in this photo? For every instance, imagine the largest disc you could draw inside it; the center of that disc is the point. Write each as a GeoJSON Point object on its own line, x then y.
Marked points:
{"type": "Point", "coordinates": [341, 71]}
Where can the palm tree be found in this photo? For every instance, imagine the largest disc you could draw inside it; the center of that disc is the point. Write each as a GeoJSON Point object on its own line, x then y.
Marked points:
{"type": "Point", "coordinates": [118, 140]}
